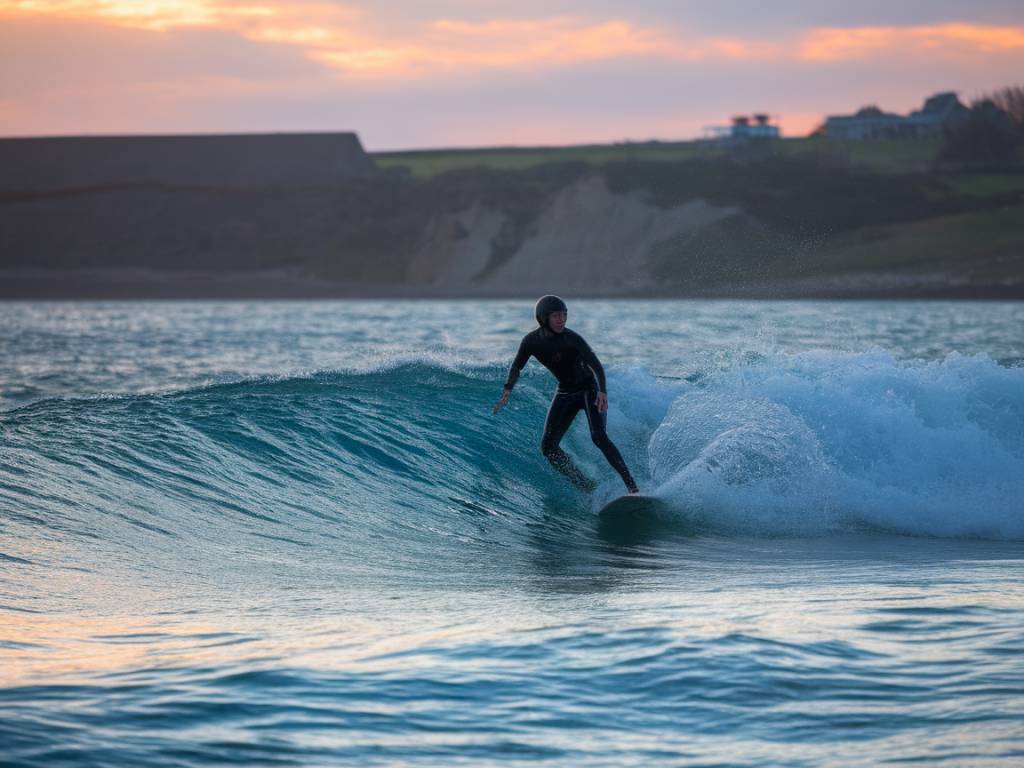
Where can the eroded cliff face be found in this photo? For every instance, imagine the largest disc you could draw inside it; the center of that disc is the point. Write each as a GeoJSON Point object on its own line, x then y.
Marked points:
{"type": "Point", "coordinates": [587, 239]}
{"type": "Point", "coordinates": [457, 248]}
{"type": "Point", "coordinates": [698, 228]}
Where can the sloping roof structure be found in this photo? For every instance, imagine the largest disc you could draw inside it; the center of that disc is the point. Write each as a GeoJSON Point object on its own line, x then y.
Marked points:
{"type": "Point", "coordinates": [873, 123]}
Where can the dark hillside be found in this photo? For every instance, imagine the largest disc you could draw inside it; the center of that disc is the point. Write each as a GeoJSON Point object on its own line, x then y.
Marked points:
{"type": "Point", "coordinates": [790, 218]}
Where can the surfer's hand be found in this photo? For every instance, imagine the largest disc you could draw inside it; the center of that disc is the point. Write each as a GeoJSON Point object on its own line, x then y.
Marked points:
{"type": "Point", "coordinates": [602, 402]}
{"type": "Point", "coordinates": [502, 401]}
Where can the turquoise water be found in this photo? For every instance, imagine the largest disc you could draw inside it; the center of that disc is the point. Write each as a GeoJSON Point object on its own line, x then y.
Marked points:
{"type": "Point", "coordinates": [294, 534]}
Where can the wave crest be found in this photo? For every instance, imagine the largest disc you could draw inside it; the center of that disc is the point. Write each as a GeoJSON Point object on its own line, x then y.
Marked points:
{"type": "Point", "coordinates": [409, 452]}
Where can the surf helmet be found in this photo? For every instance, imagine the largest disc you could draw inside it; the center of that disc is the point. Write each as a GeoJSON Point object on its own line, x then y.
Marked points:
{"type": "Point", "coordinates": [545, 306]}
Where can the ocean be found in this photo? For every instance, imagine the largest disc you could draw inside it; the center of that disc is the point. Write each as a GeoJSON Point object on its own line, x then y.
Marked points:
{"type": "Point", "coordinates": [293, 533]}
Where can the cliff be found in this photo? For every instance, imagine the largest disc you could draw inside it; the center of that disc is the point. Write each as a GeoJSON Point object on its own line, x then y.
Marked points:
{"type": "Point", "coordinates": [774, 226]}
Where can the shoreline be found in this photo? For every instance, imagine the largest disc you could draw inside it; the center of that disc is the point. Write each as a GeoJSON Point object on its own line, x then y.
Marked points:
{"type": "Point", "coordinates": [127, 285]}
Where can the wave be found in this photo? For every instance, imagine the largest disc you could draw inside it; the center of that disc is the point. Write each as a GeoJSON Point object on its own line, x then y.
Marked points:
{"type": "Point", "coordinates": [406, 460]}
{"type": "Point", "coordinates": [824, 442]}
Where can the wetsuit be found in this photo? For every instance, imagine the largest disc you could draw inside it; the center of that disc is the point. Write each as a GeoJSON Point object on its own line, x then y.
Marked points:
{"type": "Point", "coordinates": [580, 377]}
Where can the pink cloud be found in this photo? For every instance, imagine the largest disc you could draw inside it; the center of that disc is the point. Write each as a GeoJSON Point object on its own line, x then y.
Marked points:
{"type": "Point", "coordinates": [828, 44]}
{"type": "Point", "coordinates": [350, 40]}
{"type": "Point", "coordinates": [102, 65]}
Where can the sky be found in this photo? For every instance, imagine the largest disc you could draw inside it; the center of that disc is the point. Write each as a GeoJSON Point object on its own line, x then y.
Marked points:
{"type": "Point", "coordinates": [465, 73]}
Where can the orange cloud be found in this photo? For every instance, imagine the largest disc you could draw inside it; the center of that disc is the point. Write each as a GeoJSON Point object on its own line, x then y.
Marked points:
{"type": "Point", "coordinates": [337, 36]}
{"type": "Point", "coordinates": [559, 39]}
{"type": "Point", "coordinates": [147, 14]}
{"type": "Point", "coordinates": [741, 49]}
{"type": "Point", "coordinates": [568, 40]}
{"type": "Point", "coordinates": [345, 39]}
{"type": "Point", "coordinates": [270, 20]}
{"type": "Point", "coordinates": [828, 44]}
{"type": "Point", "coordinates": [447, 45]}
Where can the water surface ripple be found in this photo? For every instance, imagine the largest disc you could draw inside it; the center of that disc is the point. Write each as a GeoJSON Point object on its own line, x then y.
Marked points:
{"type": "Point", "coordinates": [293, 534]}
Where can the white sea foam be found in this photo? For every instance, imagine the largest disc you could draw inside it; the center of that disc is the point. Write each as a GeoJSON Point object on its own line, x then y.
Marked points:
{"type": "Point", "coordinates": [824, 441]}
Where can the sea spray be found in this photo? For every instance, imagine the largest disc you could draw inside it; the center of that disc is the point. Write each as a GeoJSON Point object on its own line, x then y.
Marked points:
{"type": "Point", "coordinates": [832, 441]}
{"type": "Point", "coordinates": [796, 444]}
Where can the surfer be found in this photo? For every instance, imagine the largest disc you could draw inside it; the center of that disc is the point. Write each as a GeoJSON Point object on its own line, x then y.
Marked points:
{"type": "Point", "coordinates": [581, 386]}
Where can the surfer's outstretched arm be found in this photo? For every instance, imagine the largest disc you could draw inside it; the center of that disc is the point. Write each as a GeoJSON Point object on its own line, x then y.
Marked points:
{"type": "Point", "coordinates": [502, 401]}
{"type": "Point", "coordinates": [513, 374]}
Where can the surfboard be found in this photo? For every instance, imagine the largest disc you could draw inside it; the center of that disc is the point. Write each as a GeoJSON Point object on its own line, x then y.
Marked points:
{"type": "Point", "coordinates": [631, 509]}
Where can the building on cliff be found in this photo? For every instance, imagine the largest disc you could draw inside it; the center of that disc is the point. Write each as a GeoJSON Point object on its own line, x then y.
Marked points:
{"type": "Point", "coordinates": [218, 160]}
{"type": "Point", "coordinates": [744, 127]}
{"type": "Point", "coordinates": [938, 113]}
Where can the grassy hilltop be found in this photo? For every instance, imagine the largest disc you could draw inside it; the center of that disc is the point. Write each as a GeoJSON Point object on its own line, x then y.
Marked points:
{"type": "Point", "coordinates": [885, 155]}
{"type": "Point", "coordinates": [879, 217]}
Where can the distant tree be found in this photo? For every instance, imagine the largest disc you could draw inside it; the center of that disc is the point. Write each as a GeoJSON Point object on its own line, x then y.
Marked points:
{"type": "Point", "coordinates": [990, 112]}
{"type": "Point", "coordinates": [1011, 101]}
{"type": "Point", "coordinates": [987, 137]}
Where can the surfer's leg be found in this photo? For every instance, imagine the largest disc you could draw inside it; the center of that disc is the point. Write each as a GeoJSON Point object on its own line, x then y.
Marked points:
{"type": "Point", "coordinates": [563, 410]}
{"type": "Point", "coordinates": [599, 435]}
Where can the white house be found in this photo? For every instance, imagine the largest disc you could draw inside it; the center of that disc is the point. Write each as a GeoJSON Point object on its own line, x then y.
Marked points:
{"type": "Point", "coordinates": [745, 127]}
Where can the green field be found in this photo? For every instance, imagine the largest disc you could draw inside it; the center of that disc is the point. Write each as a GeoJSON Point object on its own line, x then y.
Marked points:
{"type": "Point", "coordinates": [427, 163]}
{"type": "Point", "coordinates": [987, 184]}
{"type": "Point", "coordinates": [885, 156]}
{"type": "Point", "coordinates": [987, 242]}
{"type": "Point", "coordinates": [877, 155]}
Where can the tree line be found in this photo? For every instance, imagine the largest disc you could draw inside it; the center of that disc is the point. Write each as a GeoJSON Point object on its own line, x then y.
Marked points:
{"type": "Point", "coordinates": [991, 135]}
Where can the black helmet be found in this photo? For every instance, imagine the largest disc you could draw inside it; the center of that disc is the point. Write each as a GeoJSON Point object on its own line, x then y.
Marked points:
{"type": "Point", "coordinates": [545, 306]}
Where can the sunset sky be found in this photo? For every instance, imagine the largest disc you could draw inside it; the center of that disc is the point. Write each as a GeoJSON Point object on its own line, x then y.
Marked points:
{"type": "Point", "coordinates": [444, 73]}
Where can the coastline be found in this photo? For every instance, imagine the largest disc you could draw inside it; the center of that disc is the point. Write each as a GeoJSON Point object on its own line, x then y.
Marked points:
{"type": "Point", "coordinates": [140, 284]}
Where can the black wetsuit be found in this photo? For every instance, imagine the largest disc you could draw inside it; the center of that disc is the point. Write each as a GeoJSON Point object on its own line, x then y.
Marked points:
{"type": "Point", "coordinates": [580, 377]}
